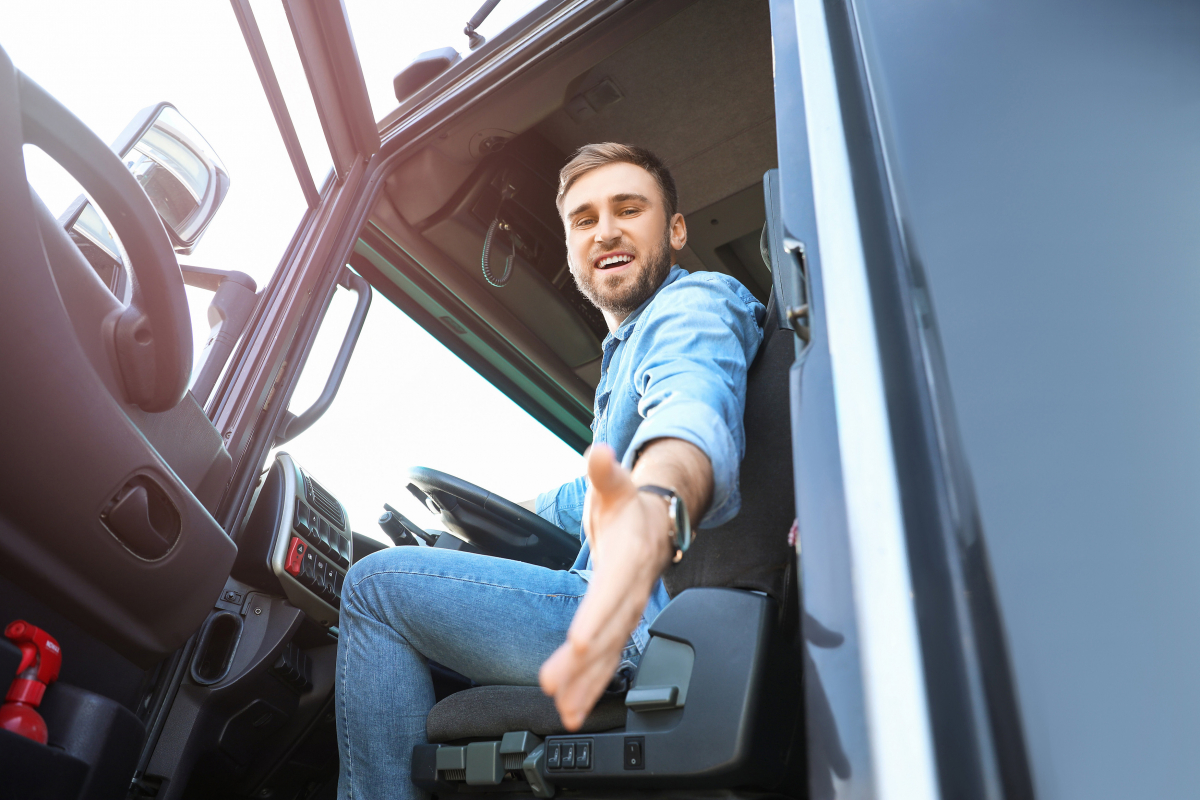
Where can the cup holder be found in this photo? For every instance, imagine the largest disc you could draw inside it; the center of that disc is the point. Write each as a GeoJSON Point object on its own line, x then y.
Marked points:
{"type": "Point", "coordinates": [218, 643]}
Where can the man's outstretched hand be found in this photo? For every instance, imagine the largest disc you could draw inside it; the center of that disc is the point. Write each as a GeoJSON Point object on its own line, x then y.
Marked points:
{"type": "Point", "coordinates": [628, 532]}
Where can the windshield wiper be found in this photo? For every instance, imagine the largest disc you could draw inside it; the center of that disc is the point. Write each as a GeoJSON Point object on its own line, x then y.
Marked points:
{"type": "Point", "coordinates": [473, 38]}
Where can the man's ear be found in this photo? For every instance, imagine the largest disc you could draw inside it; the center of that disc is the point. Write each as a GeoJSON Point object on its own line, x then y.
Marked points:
{"type": "Point", "coordinates": [678, 232]}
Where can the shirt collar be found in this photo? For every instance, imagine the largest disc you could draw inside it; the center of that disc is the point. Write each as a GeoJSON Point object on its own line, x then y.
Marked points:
{"type": "Point", "coordinates": [626, 327]}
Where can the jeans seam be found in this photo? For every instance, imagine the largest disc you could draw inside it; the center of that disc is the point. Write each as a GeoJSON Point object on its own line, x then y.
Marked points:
{"type": "Point", "coordinates": [423, 574]}
{"type": "Point", "coordinates": [346, 719]}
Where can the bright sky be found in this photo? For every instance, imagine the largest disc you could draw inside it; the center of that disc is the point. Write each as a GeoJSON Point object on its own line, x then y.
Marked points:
{"type": "Point", "coordinates": [405, 400]}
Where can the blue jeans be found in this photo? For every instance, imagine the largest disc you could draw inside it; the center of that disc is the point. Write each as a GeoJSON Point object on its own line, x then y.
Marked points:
{"type": "Point", "coordinates": [490, 619]}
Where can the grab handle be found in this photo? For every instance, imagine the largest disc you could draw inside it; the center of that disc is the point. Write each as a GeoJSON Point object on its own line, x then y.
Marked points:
{"type": "Point", "coordinates": [293, 425]}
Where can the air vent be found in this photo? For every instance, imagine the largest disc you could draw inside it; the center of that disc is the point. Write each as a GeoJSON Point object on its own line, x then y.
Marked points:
{"type": "Point", "coordinates": [324, 502]}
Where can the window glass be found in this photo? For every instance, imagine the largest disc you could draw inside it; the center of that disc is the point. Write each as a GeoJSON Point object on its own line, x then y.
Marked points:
{"type": "Point", "coordinates": [72, 51]}
{"type": "Point", "coordinates": [408, 401]}
{"type": "Point", "coordinates": [389, 35]}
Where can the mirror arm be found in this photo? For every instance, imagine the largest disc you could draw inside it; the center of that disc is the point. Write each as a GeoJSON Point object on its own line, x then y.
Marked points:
{"type": "Point", "coordinates": [293, 425]}
{"type": "Point", "coordinates": [233, 302]}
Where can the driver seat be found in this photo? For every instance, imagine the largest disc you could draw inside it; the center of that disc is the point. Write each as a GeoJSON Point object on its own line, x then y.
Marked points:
{"type": "Point", "coordinates": [715, 701]}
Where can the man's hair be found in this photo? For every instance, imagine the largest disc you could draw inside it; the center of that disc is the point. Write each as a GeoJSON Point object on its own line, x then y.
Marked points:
{"type": "Point", "coordinates": [594, 156]}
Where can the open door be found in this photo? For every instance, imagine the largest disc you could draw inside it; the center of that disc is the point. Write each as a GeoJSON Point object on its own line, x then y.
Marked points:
{"type": "Point", "coordinates": [907, 686]}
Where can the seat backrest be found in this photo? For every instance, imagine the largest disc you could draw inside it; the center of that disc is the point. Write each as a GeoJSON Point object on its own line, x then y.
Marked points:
{"type": "Point", "coordinates": [751, 551]}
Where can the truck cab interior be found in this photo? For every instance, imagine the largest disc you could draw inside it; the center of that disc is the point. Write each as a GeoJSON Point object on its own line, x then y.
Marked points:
{"type": "Point", "coordinates": [189, 569]}
{"type": "Point", "coordinates": [198, 656]}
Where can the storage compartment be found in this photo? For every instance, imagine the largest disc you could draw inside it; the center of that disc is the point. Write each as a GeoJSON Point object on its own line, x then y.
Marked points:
{"type": "Point", "coordinates": [218, 643]}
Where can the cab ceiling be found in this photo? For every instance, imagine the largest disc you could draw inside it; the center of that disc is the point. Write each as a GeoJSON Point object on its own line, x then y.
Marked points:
{"type": "Point", "coordinates": [697, 89]}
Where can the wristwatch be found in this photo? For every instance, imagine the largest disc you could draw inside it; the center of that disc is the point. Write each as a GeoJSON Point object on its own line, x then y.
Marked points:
{"type": "Point", "coordinates": [681, 527]}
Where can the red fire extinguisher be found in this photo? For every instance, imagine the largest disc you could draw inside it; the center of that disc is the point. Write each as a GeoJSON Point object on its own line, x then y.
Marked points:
{"type": "Point", "coordinates": [41, 658]}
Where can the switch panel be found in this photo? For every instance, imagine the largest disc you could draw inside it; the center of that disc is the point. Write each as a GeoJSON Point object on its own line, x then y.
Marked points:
{"type": "Point", "coordinates": [569, 754]}
{"type": "Point", "coordinates": [312, 548]}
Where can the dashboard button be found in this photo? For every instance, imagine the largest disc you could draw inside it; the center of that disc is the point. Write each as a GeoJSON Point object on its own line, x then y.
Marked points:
{"type": "Point", "coordinates": [300, 518]}
{"type": "Point", "coordinates": [308, 573]}
{"type": "Point", "coordinates": [583, 755]}
{"type": "Point", "coordinates": [320, 569]}
{"type": "Point", "coordinates": [295, 556]}
{"type": "Point", "coordinates": [568, 755]}
{"type": "Point", "coordinates": [553, 755]}
{"type": "Point", "coordinates": [337, 586]}
{"type": "Point", "coordinates": [323, 536]}
{"type": "Point", "coordinates": [331, 575]}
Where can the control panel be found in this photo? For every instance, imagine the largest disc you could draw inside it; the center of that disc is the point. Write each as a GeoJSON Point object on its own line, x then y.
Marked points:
{"type": "Point", "coordinates": [568, 754]}
{"type": "Point", "coordinates": [313, 546]}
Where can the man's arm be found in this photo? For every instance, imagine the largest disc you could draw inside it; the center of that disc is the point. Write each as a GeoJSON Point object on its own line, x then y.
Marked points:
{"type": "Point", "coordinates": [629, 532]}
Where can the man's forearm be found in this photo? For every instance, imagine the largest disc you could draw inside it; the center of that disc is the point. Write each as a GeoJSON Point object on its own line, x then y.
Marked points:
{"type": "Point", "coordinates": [679, 465]}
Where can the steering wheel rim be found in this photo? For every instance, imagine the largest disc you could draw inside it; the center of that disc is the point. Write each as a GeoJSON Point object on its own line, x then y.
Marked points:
{"type": "Point", "coordinates": [493, 524]}
{"type": "Point", "coordinates": [152, 334]}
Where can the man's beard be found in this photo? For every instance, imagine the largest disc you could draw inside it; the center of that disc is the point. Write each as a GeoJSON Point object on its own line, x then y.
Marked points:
{"type": "Point", "coordinates": [622, 294]}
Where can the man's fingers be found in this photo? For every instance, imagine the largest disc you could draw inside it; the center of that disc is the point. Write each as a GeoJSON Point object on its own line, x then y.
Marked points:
{"type": "Point", "coordinates": [580, 688]}
{"type": "Point", "coordinates": [550, 676]}
{"type": "Point", "coordinates": [604, 473]}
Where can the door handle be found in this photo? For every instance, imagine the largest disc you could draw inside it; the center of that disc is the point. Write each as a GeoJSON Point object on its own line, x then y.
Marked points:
{"type": "Point", "coordinates": [798, 312]}
{"type": "Point", "coordinates": [293, 424]}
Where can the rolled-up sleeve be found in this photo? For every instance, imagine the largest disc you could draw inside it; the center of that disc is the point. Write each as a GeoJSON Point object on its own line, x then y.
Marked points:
{"type": "Point", "coordinates": [564, 506]}
{"type": "Point", "coordinates": [692, 351]}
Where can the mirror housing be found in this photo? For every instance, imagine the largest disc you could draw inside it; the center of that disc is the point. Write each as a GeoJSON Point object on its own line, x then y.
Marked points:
{"type": "Point", "coordinates": [179, 170]}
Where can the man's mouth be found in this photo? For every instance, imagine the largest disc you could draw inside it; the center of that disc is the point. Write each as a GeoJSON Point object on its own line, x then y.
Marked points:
{"type": "Point", "coordinates": [612, 261]}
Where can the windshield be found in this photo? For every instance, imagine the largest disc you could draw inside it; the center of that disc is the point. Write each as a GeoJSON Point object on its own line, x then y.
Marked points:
{"type": "Point", "coordinates": [389, 35]}
{"type": "Point", "coordinates": [406, 400]}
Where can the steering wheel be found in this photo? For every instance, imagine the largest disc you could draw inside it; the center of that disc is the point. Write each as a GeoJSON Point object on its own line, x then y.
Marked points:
{"type": "Point", "coordinates": [494, 525]}
{"type": "Point", "coordinates": [152, 334]}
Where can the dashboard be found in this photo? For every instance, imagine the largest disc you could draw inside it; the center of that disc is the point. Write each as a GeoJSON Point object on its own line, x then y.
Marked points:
{"type": "Point", "coordinates": [299, 537]}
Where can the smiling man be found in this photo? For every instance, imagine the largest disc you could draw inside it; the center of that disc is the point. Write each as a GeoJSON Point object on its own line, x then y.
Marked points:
{"type": "Point", "coordinates": [668, 443]}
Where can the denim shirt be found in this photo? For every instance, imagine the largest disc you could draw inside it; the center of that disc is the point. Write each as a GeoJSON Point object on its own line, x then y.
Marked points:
{"type": "Point", "coordinates": [675, 368]}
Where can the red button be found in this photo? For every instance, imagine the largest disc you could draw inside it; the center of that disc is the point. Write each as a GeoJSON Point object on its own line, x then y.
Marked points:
{"type": "Point", "coordinates": [295, 557]}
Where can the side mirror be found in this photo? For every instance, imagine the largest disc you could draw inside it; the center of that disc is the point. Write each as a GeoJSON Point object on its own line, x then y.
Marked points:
{"type": "Point", "coordinates": [182, 175]}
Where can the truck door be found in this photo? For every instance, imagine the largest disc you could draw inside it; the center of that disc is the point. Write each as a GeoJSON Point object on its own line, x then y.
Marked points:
{"type": "Point", "coordinates": [908, 688]}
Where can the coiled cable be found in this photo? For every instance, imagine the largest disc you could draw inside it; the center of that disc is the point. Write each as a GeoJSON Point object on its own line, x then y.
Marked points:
{"type": "Point", "coordinates": [497, 225]}
{"type": "Point", "coordinates": [487, 249]}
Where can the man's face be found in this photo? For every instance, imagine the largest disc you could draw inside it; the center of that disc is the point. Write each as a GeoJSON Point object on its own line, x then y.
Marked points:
{"type": "Point", "coordinates": [620, 244]}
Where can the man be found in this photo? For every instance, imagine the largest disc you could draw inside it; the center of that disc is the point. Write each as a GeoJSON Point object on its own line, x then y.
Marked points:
{"type": "Point", "coordinates": [668, 424]}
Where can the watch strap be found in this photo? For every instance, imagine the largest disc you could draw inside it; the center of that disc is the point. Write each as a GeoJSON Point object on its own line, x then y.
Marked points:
{"type": "Point", "coordinates": [671, 497]}
{"type": "Point", "coordinates": [658, 490]}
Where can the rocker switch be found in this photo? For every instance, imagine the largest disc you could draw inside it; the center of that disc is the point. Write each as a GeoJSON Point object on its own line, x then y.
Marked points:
{"type": "Point", "coordinates": [568, 755]}
{"type": "Point", "coordinates": [554, 756]}
{"type": "Point", "coordinates": [295, 556]}
{"type": "Point", "coordinates": [634, 756]}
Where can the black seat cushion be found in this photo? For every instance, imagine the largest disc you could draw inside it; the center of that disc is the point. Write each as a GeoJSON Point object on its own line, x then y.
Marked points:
{"type": "Point", "coordinates": [492, 711]}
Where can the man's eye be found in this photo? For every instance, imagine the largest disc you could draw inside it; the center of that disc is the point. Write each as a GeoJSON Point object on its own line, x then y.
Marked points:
{"type": "Point", "coordinates": [583, 222]}
{"type": "Point", "coordinates": [629, 211]}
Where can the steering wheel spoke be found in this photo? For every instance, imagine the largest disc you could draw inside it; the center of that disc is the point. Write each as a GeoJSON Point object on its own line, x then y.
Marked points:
{"type": "Point", "coordinates": [496, 526]}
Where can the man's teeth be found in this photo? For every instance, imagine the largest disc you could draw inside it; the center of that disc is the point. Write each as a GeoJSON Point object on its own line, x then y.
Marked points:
{"type": "Point", "coordinates": [608, 262]}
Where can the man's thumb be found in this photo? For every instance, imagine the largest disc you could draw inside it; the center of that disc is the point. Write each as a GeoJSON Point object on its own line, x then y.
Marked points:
{"type": "Point", "coordinates": [603, 471]}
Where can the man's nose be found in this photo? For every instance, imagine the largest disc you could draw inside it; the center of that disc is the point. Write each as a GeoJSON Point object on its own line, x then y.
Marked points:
{"type": "Point", "coordinates": [607, 230]}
